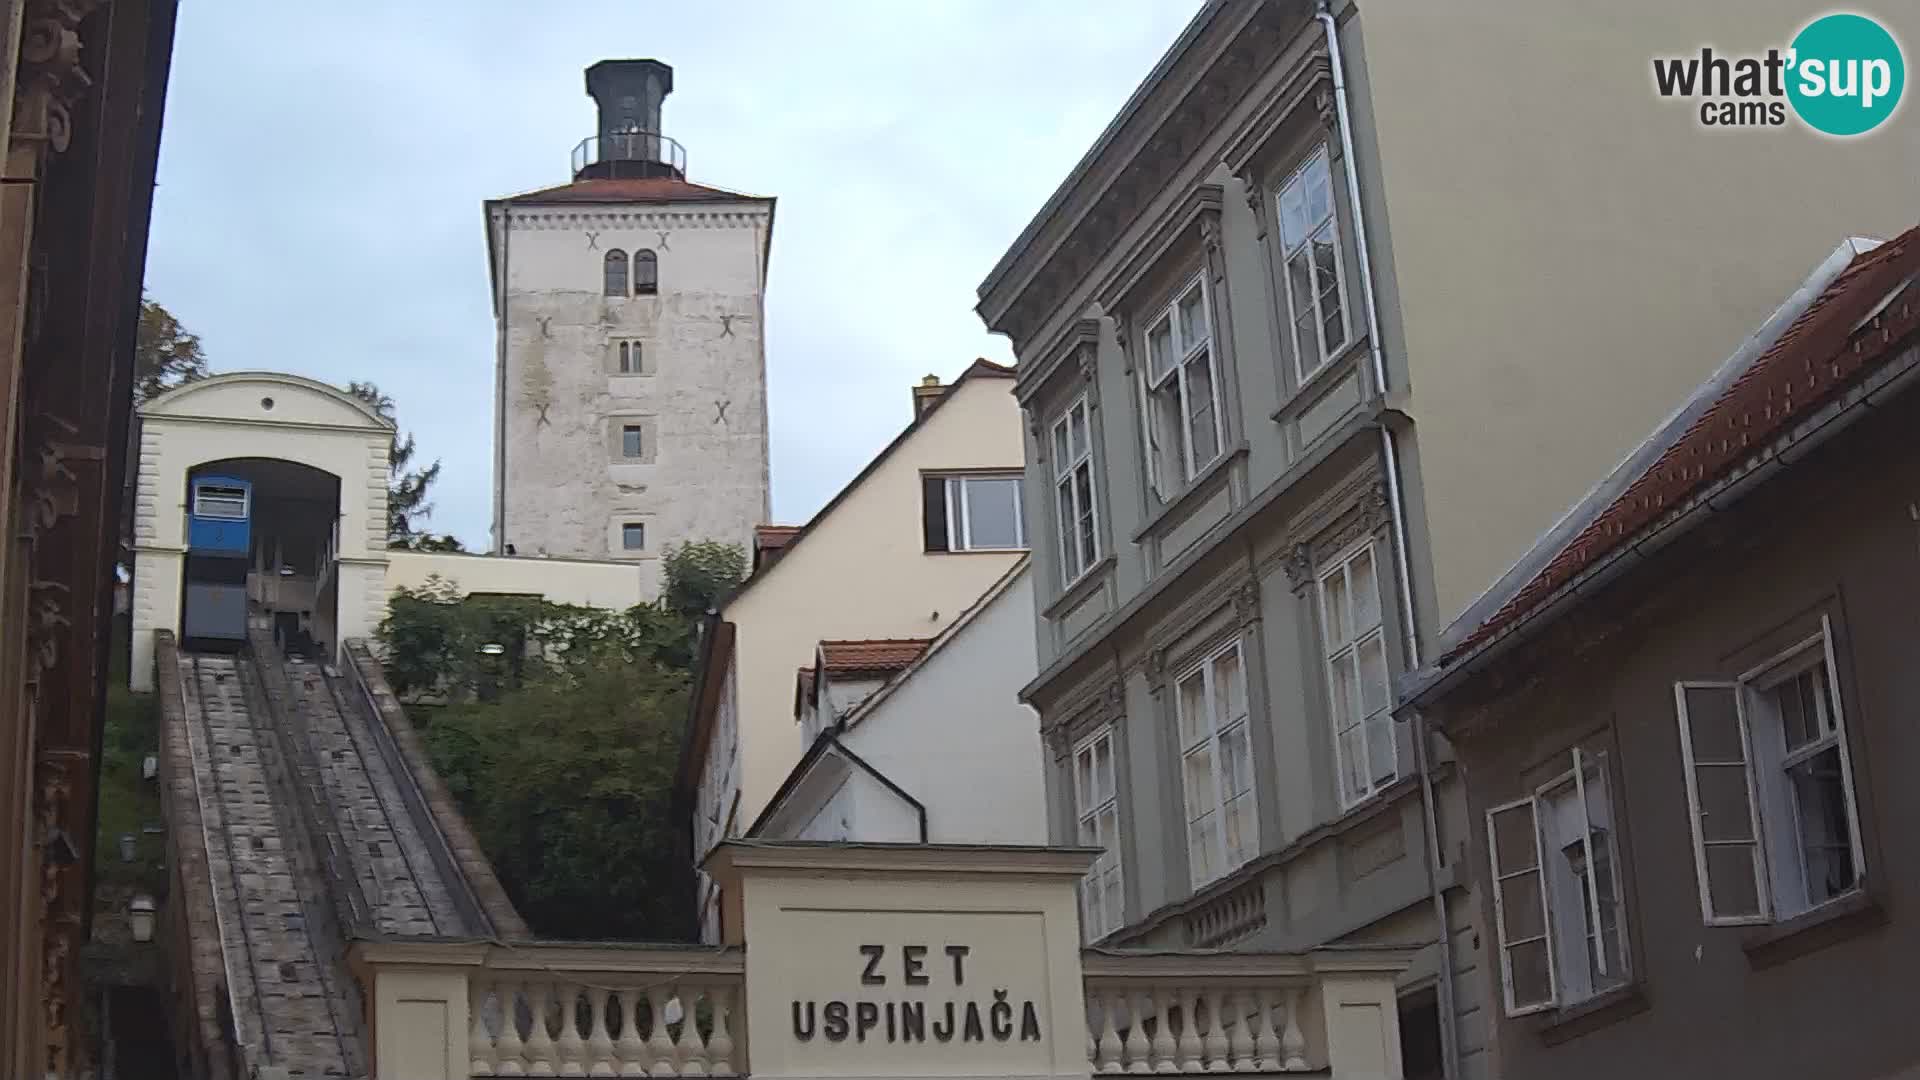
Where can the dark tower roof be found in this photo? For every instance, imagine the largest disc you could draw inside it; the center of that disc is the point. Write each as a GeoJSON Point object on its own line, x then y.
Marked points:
{"type": "Point", "coordinates": [628, 143]}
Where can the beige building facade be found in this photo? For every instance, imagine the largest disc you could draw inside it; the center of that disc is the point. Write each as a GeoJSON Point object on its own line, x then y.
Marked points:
{"type": "Point", "coordinates": [899, 554]}
{"type": "Point", "coordinates": [1346, 307]}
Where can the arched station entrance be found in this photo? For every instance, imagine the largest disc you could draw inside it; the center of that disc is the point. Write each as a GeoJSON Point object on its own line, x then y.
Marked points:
{"type": "Point", "coordinates": [262, 539]}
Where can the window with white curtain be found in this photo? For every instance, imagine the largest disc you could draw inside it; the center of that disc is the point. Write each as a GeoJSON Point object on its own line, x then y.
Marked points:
{"type": "Point", "coordinates": [1096, 805]}
{"type": "Point", "coordinates": [1358, 683]}
{"type": "Point", "coordinates": [1181, 384]}
{"type": "Point", "coordinates": [1216, 755]}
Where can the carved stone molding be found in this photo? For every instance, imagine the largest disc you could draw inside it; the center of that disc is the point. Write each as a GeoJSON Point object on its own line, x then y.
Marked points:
{"type": "Point", "coordinates": [1323, 104]}
{"type": "Point", "coordinates": [1246, 604]}
{"type": "Point", "coordinates": [1298, 564]}
{"type": "Point", "coordinates": [51, 79]}
{"type": "Point", "coordinates": [1113, 700]}
{"type": "Point", "coordinates": [1375, 510]}
{"type": "Point", "coordinates": [1210, 232]}
{"type": "Point", "coordinates": [1156, 668]}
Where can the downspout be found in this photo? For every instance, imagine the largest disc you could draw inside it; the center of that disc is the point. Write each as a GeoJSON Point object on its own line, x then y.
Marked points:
{"type": "Point", "coordinates": [500, 388]}
{"type": "Point", "coordinates": [1449, 1020]}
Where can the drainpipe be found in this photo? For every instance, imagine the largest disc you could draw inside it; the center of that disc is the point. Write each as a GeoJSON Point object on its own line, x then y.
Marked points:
{"type": "Point", "coordinates": [1449, 1033]}
{"type": "Point", "coordinates": [500, 389]}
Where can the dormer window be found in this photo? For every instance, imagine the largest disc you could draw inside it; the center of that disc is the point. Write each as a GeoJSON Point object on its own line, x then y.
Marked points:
{"type": "Point", "coordinates": [615, 273]}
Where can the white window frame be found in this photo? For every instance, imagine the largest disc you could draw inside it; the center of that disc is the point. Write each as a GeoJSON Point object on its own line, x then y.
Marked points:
{"type": "Point", "coordinates": [1096, 921]}
{"type": "Point", "coordinates": [200, 501]}
{"type": "Point", "coordinates": [959, 530]}
{"type": "Point", "coordinates": [1322, 355]}
{"type": "Point", "coordinates": [1779, 881]}
{"type": "Point", "coordinates": [1211, 739]}
{"type": "Point", "coordinates": [1076, 557]}
{"type": "Point", "coordinates": [1559, 992]}
{"type": "Point", "coordinates": [1332, 652]}
{"type": "Point", "coordinates": [1182, 354]}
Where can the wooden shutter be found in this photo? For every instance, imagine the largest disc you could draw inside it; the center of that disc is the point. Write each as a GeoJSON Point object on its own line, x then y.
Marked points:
{"type": "Point", "coordinates": [933, 511]}
{"type": "Point", "coordinates": [1520, 907]}
{"type": "Point", "coordinates": [1722, 810]}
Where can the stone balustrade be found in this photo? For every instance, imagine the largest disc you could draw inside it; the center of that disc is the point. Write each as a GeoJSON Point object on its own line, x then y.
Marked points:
{"type": "Point", "coordinates": [1201, 1011]}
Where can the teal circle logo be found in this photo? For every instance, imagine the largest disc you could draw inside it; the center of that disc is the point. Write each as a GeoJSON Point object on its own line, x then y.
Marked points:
{"type": "Point", "coordinates": [1845, 74]}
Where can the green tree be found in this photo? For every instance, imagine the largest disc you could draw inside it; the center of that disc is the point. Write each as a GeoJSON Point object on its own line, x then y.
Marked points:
{"type": "Point", "coordinates": [165, 354]}
{"type": "Point", "coordinates": [407, 504]}
{"type": "Point", "coordinates": [702, 574]}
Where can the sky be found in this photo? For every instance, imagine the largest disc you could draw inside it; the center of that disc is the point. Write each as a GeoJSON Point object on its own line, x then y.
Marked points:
{"type": "Point", "coordinates": [322, 169]}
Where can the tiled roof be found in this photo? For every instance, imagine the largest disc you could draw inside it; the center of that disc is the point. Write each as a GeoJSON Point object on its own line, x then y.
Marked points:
{"type": "Point", "coordinates": [774, 537]}
{"type": "Point", "coordinates": [1818, 354]}
{"type": "Point", "coordinates": [874, 655]}
{"type": "Point", "coordinates": [652, 189]}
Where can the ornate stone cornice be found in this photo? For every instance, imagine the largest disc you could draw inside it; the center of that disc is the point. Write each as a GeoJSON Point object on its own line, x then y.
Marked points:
{"type": "Point", "coordinates": [1077, 346]}
{"type": "Point", "coordinates": [1246, 603]}
{"type": "Point", "coordinates": [1298, 564]}
{"type": "Point", "coordinates": [51, 79]}
{"type": "Point", "coordinates": [571, 219]}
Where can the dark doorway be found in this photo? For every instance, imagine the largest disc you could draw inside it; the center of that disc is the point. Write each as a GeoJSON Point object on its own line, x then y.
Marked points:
{"type": "Point", "coordinates": [1420, 1050]}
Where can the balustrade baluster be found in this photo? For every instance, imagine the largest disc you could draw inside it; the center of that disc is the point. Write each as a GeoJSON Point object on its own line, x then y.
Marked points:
{"type": "Point", "coordinates": [510, 1050]}
{"type": "Point", "coordinates": [693, 1049]}
{"type": "Point", "coordinates": [1105, 1052]}
{"type": "Point", "coordinates": [1164, 1003]}
{"type": "Point", "coordinates": [599, 1040]}
{"type": "Point", "coordinates": [632, 1046]}
{"type": "Point", "coordinates": [1293, 1043]}
{"type": "Point", "coordinates": [1190, 1032]}
{"type": "Point", "coordinates": [539, 1052]}
{"type": "Point", "coordinates": [570, 1048]}
{"type": "Point", "coordinates": [1240, 1040]}
{"type": "Point", "coordinates": [659, 1044]}
{"type": "Point", "coordinates": [1266, 1042]}
{"type": "Point", "coordinates": [479, 1043]}
{"type": "Point", "coordinates": [720, 1043]}
{"type": "Point", "coordinates": [1139, 1054]}
{"type": "Point", "coordinates": [1216, 1039]}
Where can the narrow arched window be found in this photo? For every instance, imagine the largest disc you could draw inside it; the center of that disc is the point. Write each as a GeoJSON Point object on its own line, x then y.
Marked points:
{"type": "Point", "coordinates": [646, 273]}
{"type": "Point", "coordinates": [616, 273]}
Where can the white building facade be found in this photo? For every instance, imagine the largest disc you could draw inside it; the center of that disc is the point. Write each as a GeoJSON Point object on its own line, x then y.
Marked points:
{"type": "Point", "coordinates": [631, 410]}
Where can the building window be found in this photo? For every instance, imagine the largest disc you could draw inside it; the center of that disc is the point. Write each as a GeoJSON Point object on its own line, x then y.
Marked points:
{"type": "Point", "coordinates": [973, 513]}
{"type": "Point", "coordinates": [1776, 830]}
{"type": "Point", "coordinates": [1310, 247]}
{"type": "Point", "coordinates": [630, 441]}
{"type": "Point", "coordinates": [1097, 806]}
{"type": "Point", "coordinates": [646, 273]}
{"type": "Point", "coordinates": [627, 358]}
{"type": "Point", "coordinates": [1079, 521]}
{"type": "Point", "coordinates": [1557, 900]}
{"type": "Point", "coordinates": [1216, 766]}
{"type": "Point", "coordinates": [220, 501]}
{"type": "Point", "coordinates": [633, 536]}
{"type": "Point", "coordinates": [1181, 381]}
{"type": "Point", "coordinates": [615, 273]}
{"type": "Point", "coordinates": [1357, 680]}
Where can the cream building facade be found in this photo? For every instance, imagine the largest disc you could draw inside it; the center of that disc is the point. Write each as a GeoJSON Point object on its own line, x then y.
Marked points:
{"type": "Point", "coordinates": [631, 410]}
{"type": "Point", "coordinates": [891, 557]}
{"type": "Point", "coordinates": [1345, 308]}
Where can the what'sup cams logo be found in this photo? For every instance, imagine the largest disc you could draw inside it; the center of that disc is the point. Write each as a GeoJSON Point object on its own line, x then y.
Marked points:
{"type": "Point", "coordinates": [1842, 75]}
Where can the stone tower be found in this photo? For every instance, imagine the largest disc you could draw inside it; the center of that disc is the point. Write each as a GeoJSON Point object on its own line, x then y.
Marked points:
{"type": "Point", "coordinates": [630, 379]}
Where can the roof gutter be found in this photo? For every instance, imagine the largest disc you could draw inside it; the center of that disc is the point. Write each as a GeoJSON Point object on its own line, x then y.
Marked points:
{"type": "Point", "coordinates": [1396, 506]}
{"type": "Point", "coordinates": [1785, 451]}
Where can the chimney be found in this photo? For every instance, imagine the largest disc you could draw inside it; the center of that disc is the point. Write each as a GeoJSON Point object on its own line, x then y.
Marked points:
{"type": "Point", "coordinates": [628, 141]}
{"type": "Point", "coordinates": [926, 394]}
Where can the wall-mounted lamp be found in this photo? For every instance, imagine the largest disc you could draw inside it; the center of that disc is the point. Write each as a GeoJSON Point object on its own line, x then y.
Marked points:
{"type": "Point", "coordinates": [127, 850]}
{"type": "Point", "coordinates": [493, 648]}
{"type": "Point", "coordinates": [150, 768]}
{"type": "Point", "coordinates": [140, 917]}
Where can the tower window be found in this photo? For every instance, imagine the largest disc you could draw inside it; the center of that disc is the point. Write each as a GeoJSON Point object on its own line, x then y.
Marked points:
{"type": "Point", "coordinates": [633, 536]}
{"type": "Point", "coordinates": [616, 273]}
{"type": "Point", "coordinates": [646, 273]}
{"type": "Point", "coordinates": [630, 441]}
{"type": "Point", "coordinates": [627, 358]}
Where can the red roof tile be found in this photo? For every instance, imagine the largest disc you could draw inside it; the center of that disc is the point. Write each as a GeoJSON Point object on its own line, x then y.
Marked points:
{"type": "Point", "coordinates": [653, 189]}
{"type": "Point", "coordinates": [774, 537]}
{"type": "Point", "coordinates": [1816, 356]}
{"type": "Point", "coordinates": [875, 655]}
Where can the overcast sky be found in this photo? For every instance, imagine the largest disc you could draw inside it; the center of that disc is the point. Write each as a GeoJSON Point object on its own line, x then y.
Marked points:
{"type": "Point", "coordinates": [323, 167]}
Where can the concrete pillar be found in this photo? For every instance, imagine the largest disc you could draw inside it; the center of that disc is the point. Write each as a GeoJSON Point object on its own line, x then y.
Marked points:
{"type": "Point", "coordinates": [1362, 1024]}
{"type": "Point", "coordinates": [420, 1023]}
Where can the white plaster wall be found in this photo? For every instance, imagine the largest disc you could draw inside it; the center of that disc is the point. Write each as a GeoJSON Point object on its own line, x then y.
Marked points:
{"type": "Point", "coordinates": [861, 572]}
{"type": "Point", "coordinates": [614, 586]}
{"type": "Point", "coordinates": [955, 735]}
{"type": "Point", "coordinates": [227, 417]}
{"type": "Point", "coordinates": [707, 478]}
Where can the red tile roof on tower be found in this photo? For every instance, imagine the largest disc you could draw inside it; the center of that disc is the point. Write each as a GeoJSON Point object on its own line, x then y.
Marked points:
{"type": "Point", "coordinates": [1822, 351]}
{"type": "Point", "coordinates": [875, 655]}
{"type": "Point", "coordinates": [652, 189]}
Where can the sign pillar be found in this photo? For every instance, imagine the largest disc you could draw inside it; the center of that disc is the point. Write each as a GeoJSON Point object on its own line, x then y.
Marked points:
{"type": "Point", "coordinates": [876, 960]}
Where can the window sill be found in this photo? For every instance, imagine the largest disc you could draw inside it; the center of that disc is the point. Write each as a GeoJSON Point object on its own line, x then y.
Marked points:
{"type": "Point", "coordinates": [1083, 586]}
{"type": "Point", "coordinates": [1320, 381]}
{"type": "Point", "coordinates": [1830, 923]}
{"type": "Point", "coordinates": [1601, 1010]}
{"type": "Point", "coordinates": [979, 551]}
{"type": "Point", "coordinates": [1192, 493]}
